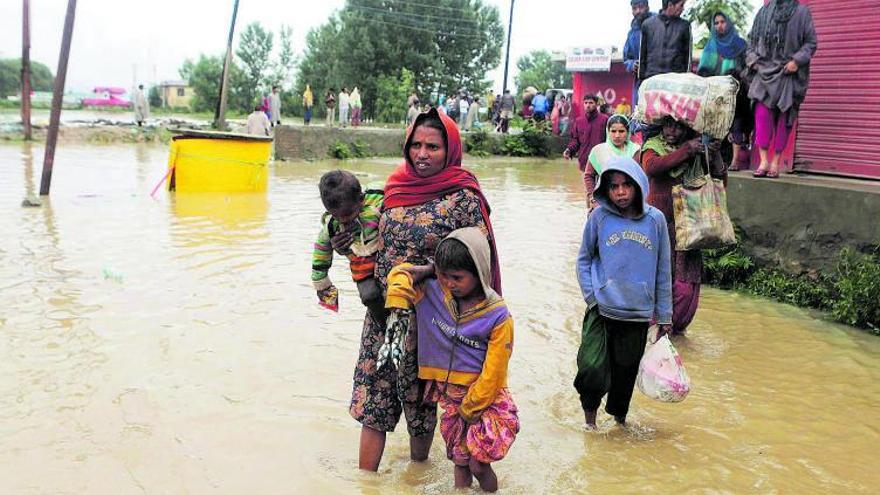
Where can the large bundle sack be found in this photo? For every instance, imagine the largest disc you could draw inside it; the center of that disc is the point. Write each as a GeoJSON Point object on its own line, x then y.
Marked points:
{"type": "Point", "coordinates": [705, 104]}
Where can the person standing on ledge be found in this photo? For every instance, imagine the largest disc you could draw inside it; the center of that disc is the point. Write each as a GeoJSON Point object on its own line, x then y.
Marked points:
{"type": "Point", "coordinates": [666, 42]}
{"type": "Point", "coordinates": [641, 13]}
{"type": "Point", "coordinates": [141, 106]}
{"type": "Point", "coordinates": [781, 44]}
{"type": "Point", "coordinates": [275, 105]}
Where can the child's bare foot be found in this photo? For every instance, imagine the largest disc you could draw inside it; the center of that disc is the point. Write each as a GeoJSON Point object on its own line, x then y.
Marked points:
{"type": "Point", "coordinates": [463, 477]}
{"type": "Point", "coordinates": [485, 475]}
{"type": "Point", "coordinates": [590, 418]}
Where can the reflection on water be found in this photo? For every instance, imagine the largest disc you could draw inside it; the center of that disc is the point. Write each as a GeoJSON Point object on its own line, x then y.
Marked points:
{"type": "Point", "coordinates": [207, 366]}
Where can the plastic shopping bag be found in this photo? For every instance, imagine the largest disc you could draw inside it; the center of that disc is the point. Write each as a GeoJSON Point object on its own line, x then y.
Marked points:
{"type": "Point", "coordinates": [661, 373]}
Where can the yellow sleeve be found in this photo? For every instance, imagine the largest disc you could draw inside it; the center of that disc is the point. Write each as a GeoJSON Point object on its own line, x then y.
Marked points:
{"type": "Point", "coordinates": [401, 291]}
{"type": "Point", "coordinates": [494, 375]}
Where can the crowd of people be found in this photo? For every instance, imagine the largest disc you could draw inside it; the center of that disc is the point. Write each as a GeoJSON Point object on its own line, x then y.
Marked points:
{"type": "Point", "coordinates": [423, 253]}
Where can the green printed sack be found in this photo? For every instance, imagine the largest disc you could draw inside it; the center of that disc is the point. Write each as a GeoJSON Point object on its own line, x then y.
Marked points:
{"type": "Point", "coordinates": [701, 218]}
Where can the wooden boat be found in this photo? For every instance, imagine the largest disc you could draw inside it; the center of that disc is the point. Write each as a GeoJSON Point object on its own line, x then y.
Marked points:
{"type": "Point", "coordinates": [209, 161]}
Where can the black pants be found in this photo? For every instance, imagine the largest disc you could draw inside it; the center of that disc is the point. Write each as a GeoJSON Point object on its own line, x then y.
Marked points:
{"type": "Point", "coordinates": [608, 362]}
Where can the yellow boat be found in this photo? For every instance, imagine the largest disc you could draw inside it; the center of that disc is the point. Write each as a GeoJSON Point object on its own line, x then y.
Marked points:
{"type": "Point", "coordinates": [208, 161]}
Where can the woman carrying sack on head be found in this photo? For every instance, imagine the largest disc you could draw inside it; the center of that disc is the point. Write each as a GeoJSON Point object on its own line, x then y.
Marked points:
{"type": "Point", "coordinates": [671, 158]}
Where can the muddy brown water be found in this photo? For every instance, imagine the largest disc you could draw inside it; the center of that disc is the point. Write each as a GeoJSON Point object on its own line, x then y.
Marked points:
{"type": "Point", "coordinates": [173, 345]}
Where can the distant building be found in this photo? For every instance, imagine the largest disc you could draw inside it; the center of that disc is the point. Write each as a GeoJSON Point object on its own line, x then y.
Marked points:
{"type": "Point", "coordinates": [175, 94]}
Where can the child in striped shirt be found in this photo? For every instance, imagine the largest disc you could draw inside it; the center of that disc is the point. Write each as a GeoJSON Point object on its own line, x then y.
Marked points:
{"type": "Point", "coordinates": [351, 225]}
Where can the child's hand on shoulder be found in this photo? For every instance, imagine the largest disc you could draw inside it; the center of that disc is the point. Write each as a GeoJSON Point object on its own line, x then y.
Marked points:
{"type": "Point", "coordinates": [420, 272]}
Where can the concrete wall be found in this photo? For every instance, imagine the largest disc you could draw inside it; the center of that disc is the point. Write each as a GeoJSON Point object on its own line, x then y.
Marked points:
{"type": "Point", "coordinates": [313, 142]}
{"type": "Point", "coordinates": [800, 223]}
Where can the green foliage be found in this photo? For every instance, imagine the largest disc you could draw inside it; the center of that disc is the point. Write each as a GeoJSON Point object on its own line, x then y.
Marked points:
{"type": "Point", "coordinates": [340, 150]}
{"type": "Point", "coordinates": [811, 292]}
{"type": "Point", "coordinates": [10, 77]}
{"type": "Point", "coordinates": [858, 288]}
{"type": "Point", "coordinates": [532, 141]}
{"type": "Point", "coordinates": [204, 77]}
{"type": "Point", "coordinates": [360, 149]}
{"type": "Point", "coordinates": [852, 295]}
{"type": "Point", "coordinates": [478, 143]}
{"type": "Point", "coordinates": [538, 70]}
{"type": "Point", "coordinates": [727, 266]}
{"type": "Point", "coordinates": [449, 46]}
{"type": "Point", "coordinates": [700, 13]}
{"type": "Point", "coordinates": [254, 48]}
{"type": "Point", "coordinates": [283, 67]}
{"type": "Point", "coordinates": [391, 95]}
{"type": "Point", "coordinates": [154, 97]}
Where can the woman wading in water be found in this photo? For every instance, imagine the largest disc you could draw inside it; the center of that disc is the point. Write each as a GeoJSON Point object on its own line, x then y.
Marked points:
{"type": "Point", "coordinates": [426, 197]}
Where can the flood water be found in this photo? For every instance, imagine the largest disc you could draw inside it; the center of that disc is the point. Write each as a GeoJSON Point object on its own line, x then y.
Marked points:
{"type": "Point", "coordinates": [174, 345]}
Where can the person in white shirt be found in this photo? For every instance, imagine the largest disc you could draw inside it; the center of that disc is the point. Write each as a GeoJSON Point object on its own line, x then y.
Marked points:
{"type": "Point", "coordinates": [344, 105]}
{"type": "Point", "coordinates": [257, 122]}
{"type": "Point", "coordinates": [275, 105]}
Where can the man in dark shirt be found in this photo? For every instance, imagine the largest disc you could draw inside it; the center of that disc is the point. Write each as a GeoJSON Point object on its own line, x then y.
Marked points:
{"type": "Point", "coordinates": [588, 131]}
{"type": "Point", "coordinates": [507, 107]}
{"type": "Point", "coordinates": [666, 42]}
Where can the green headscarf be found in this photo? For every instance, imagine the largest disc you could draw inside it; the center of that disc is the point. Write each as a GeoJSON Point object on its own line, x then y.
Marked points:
{"type": "Point", "coordinates": [691, 169]}
{"type": "Point", "coordinates": [602, 153]}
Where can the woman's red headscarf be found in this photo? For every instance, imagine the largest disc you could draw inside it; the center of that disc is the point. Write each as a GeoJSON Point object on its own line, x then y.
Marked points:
{"type": "Point", "coordinates": [406, 188]}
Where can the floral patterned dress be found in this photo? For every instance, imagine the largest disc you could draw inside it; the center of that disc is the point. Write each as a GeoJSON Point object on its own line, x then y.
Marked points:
{"type": "Point", "coordinates": [409, 234]}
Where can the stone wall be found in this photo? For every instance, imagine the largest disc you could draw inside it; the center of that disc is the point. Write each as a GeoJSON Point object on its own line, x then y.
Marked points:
{"type": "Point", "coordinates": [800, 223]}
{"type": "Point", "coordinates": [314, 142]}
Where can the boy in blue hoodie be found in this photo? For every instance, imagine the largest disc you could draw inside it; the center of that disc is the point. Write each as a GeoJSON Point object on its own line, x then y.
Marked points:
{"type": "Point", "coordinates": [624, 272]}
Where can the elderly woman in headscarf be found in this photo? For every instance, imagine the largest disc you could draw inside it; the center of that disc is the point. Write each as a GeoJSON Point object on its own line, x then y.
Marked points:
{"type": "Point", "coordinates": [725, 55]}
{"type": "Point", "coordinates": [428, 196]}
{"type": "Point", "coordinates": [781, 44]}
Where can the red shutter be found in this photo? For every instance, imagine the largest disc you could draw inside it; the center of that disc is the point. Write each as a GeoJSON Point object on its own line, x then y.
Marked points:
{"type": "Point", "coordinates": [838, 130]}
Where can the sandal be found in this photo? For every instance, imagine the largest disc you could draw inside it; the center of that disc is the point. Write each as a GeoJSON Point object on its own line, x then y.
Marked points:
{"type": "Point", "coordinates": [759, 173]}
{"type": "Point", "coordinates": [772, 175]}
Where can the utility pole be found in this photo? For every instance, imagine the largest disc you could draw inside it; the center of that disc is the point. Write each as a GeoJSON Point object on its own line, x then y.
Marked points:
{"type": "Point", "coordinates": [26, 68]}
{"type": "Point", "coordinates": [220, 114]}
{"type": "Point", "coordinates": [507, 56]}
{"type": "Point", "coordinates": [57, 97]}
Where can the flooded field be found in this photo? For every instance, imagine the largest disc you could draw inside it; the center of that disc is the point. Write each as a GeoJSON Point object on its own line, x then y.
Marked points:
{"type": "Point", "coordinates": [174, 345]}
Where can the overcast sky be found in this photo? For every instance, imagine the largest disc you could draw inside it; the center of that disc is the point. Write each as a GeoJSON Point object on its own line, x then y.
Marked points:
{"type": "Point", "coordinates": [118, 42]}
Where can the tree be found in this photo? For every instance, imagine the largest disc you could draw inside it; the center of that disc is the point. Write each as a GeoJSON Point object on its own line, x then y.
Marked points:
{"type": "Point", "coordinates": [10, 77]}
{"type": "Point", "coordinates": [700, 12]}
{"type": "Point", "coordinates": [539, 70]}
{"type": "Point", "coordinates": [448, 46]}
{"type": "Point", "coordinates": [204, 77]}
{"type": "Point", "coordinates": [286, 63]}
{"type": "Point", "coordinates": [254, 48]}
{"type": "Point", "coordinates": [155, 97]}
{"type": "Point", "coordinates": [391, 95]}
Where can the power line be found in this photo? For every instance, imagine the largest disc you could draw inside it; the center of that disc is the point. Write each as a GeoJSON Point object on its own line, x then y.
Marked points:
{"type": "Point", "coordinates": [428, 6]}
{"type": "Point", "coordinates": [428, 27]}
{"type": "Point", "coordinates": [418, 17]}
{"type": "Point", "coordinates": [416, 28]}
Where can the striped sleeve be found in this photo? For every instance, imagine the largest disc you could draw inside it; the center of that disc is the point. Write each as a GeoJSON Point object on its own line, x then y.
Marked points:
{"type": "Point", "coordinates": [322, 257]}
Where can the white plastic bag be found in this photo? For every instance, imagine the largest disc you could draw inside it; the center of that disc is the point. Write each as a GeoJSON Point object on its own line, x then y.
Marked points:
{"type": "Point", "coordinates": [661, 373]}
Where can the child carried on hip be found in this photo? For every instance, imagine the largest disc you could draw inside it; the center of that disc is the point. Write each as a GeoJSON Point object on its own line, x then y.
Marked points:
{"type": "Point", "coordinates": [351, 227]}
